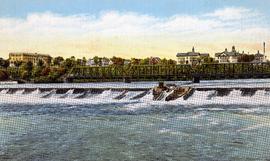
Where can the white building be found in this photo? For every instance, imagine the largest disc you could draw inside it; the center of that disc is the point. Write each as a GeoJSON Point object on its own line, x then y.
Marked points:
{"type": "Point", "coordinates": [259, 58]}
{"type": "Point", "coordinates": [228, 57]}
{"type": "Point", "coordinates": [90, 62]}
{"type": "Point", "coordinates": [127, 62]}
{"type": "Point", "coordinates": [192, 57]}
{"type": "Point", "coordinates": [101, 62]}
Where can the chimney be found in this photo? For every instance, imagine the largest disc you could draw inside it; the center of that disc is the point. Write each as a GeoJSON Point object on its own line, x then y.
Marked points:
{"type": "Point", "coordinates": [263, 48]}
{"type": "Point", "coordinates": [193, 50]}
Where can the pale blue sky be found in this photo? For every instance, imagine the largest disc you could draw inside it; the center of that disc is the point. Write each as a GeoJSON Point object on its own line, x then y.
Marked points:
{"type": "Point", "coordinates": [158, 8]}
{"type": "Point", "coordinates": [131, 28]}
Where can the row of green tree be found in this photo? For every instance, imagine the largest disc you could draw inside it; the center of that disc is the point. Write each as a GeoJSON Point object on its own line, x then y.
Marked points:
{"type": "Point", "coordinates": [37, 73]}
{"type": "Point", "coordinates": [99, 61]}
{"type": "Point", "coordinates": [60, 67]}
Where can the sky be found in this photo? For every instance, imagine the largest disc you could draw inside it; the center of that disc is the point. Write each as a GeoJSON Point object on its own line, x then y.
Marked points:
{"type": "Point", "coordinates": [129, 28]}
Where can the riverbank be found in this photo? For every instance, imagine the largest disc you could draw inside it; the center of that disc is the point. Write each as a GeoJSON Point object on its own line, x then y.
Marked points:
{"type": "Point", "coordinates": [132, 73]}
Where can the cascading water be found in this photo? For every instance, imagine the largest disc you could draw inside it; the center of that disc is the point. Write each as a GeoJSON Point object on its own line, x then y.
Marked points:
{"type": "Point", "coordinates": [202, 96]}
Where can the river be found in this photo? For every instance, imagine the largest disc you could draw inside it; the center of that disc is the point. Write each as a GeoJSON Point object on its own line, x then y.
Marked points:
{"type": "Point", "coordinates": [55, 125]}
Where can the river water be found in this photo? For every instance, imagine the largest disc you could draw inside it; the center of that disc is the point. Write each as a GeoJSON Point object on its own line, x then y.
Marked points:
{"type": "Point", "coordinates": [55, 126]}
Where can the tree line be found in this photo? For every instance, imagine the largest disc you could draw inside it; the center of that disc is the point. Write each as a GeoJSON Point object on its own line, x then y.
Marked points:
{"type": "Point", "coordinates": [59, 67]}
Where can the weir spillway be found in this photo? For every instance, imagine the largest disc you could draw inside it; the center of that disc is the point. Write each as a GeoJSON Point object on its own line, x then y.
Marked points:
{"type": "Point", "coordinates": [145, 94]}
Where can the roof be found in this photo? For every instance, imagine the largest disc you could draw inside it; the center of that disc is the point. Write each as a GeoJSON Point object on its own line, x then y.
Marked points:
{"type": "Point", "coordinates": [187, 54]}
{"type": "Point", "coordinates": [258, 54]}
{"type": "Point", "coordinates": [228, 53]}
{"type": "Point", "coordinates": [192, 53]}
{"type": "Point", "coordinates": [204, 54]}
{"type": "Point", "coordinates": [156, 58]}
{"type": "Point", "coordinates": [29, 54]}
{"type": "Point", "coordinates": [256, 61]}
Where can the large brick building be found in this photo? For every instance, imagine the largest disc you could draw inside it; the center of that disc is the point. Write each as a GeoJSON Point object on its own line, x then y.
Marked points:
{"type": "Point", "coordinates": [29, 57]}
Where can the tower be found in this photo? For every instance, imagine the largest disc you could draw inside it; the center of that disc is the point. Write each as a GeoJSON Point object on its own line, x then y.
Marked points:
{"type": "Point", "coordinates": [233, 48]}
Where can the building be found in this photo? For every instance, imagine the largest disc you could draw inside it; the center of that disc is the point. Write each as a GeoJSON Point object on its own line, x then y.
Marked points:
{"type": "Point", "coordinates": [127, 62]}
{"type": "Point", "coordinates": [90, 62]}
{"type": "Point", "coordinates": [192, 58]}
{"type": "Point", "coordinates": [154, 60]}
{"type": "Point", "coordinates": [29, 57]}
{"type": "Point", "coordinates": [228, 56]}
{"type": "Point", "coordinates": [259, 58]}
{"type": "Point", "coordinates": [102, 62]}
{"type": "Point", "coordinates": [105, 62]}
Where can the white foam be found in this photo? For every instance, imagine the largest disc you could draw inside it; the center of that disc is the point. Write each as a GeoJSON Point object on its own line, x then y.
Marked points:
{"type": "Point", "coordinates": [253, 127]}
{"type": "Point", "coordinates": [131, 94]}
{"type": "Point", "coordinates": [106, 95]}
{"type": "Point", "coordinates": [68, 94]}
{"type": "Point", "coordinates": [244, 83]}
{"type": "Point", "coordinates": [261, 97]}
{"type": "Point", "coordinates": [4, 91]}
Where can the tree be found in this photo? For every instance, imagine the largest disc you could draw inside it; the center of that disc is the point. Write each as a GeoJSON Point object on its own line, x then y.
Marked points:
{"type": "Point", "coordinates": [163, 61]}
{"type": "Point", "coordinates": [69, 63]}
{"type": "Point", "coordinates": [13, 72]}
{"type": "Point", "coordinates": [96, 60]}
{"type": "Point", "coordinates": [26, 70]}
{"type": "Point", "coordinates": [18, 63]}
{"type": "Point", "coordinates": [135, 61]}
{"type": "Point", "coordinates": [117, 61]}
{"type": "Point", "coordinates": [29, 66]}
{"type": "Point", "coordinates": [73, 58]}
{"type": "Point", "coordinates": [208, 60]}
{"type": "Point", "coordinates": [36, 72]}
{"type": "Point", "coordinates": [49, 61]}
{"type": "Point", "coordinates": [3, 75]}
{"type": "Point", "coordinates": [84, 61]}
{"type": "Point", "coordinates": [55, 74]}
{"type": "Point", "coordinates": [171, 62]}
{"type": "Point", "coordinates": [58, 60]}
{"type": "Point", "coordinates": [40, 63]}
{"type": "Point", "coordinates": [45, 71]}
{"type": "Point", "coordinates": [4, 63]}
{"type": "Point", "coordinates": [145, 61]}
{"type": "Point", "coordinates": [79, 62]}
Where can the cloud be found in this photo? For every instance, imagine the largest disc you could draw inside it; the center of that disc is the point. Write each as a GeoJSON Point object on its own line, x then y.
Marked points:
{"type": "Point", "coordinates": [123, 23]}
{"type": "Point", "coordinates": [233, 13]}
{"type": "Point", "coordinates": [84, 33]}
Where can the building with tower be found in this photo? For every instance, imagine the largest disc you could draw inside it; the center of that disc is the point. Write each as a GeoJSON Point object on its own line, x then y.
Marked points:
{"type": "Point", "coordinates": [192, 58]}
{"type": "Point", "coordinates": [260, 57]}
{"type": "Point", "coordinates": [228, 56]}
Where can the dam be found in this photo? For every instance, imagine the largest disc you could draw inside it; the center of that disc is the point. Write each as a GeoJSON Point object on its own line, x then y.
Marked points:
{"type": "Point", "coordinates": [204, 93]}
